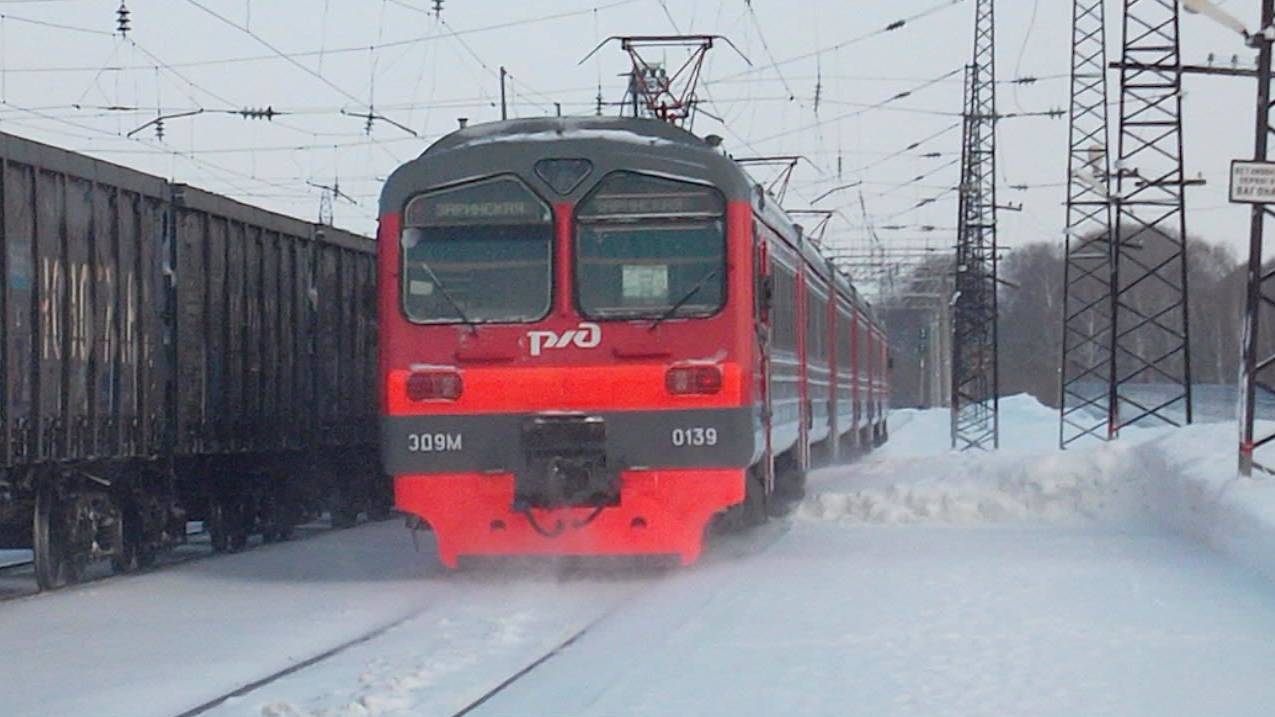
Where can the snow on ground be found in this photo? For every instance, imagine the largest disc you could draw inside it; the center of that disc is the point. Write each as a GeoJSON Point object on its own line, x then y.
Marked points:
{"type": "Point", "coordinates": [14, 557]}
{"type": "Point", "coordinates": [916, 477]}
{"type": "Point", "coordinates": [929, 620]}
{"type": "Point", "coordinates": [915, 582]}
{"type": "Point", "coordinates": [1181, 479]}
{"type": "Point", "coordinates": [164, 642]}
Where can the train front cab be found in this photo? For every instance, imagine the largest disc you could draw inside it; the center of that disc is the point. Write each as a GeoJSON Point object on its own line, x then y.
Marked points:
{"type": "Point", "coordinates": [568, 374]}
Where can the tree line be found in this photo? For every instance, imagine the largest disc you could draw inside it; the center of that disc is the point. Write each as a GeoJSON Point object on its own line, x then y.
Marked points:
{"type": "Point", "coordinates": [1031, 315]}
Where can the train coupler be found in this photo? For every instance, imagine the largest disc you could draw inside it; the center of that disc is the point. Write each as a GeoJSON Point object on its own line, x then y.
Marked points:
{"type": "Point", "coordinates": [565, 464]}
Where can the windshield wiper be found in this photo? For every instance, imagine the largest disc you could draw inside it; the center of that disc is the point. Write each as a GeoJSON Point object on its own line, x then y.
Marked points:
{"type": "Point", "coordinates": [438, 284]}
{"type": "Point", "coordinates": [687, 297]}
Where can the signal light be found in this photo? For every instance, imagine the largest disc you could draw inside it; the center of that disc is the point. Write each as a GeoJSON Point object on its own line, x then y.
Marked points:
{"type": "Point", "coordinates": [434, 386]}
{"type": "Point", "coordinates": [688, 380]}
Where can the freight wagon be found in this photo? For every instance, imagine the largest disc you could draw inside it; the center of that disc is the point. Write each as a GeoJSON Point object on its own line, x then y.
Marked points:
{"type": "Point", "coordinates": [170, 355]}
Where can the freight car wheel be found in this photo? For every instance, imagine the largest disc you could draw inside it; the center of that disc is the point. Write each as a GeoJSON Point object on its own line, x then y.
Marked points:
{"type": "Point", "coordinates": [380, 505]}
{"type": "Point", "coordinates": [344, 515]}
{"type": "Point", "coordinates": [279, 515]}
{"type": "Point", "coordinates": [227, 527]}
{"type": "Point", "coordinates": [344, 509]}
{"type": "Point", "coordinates": [58, 561]}
{"type": "Point", "coordinates": [135, 552]}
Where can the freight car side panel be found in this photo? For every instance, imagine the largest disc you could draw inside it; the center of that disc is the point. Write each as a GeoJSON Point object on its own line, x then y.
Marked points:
{"type": "Point", "coordinates": [216, 326]}
{"type": "Point", "coordinates": [328, 330]}
{"type": "Point", "coordinates": [259, 327]}
{"type": "Point", "coordinates": [234, 409]}
{"type": "Point", "coordinates": [348, 416]}
{"type": "Point", "coordinates": [76, 366]}
{"type": "Point", "coordinates": [104, 379]}
{"type": "Point", "coordinates": [78, 369]}
{"type": "Point", "coordinates": [50, 192]}
{"type": "Point", "coordinates": [368, 336]}
{"type": "Point", "coordinates": [191, 308]}
{"type": "Point", "coordinates": [268, 339]}
{"type": "Point", "coordinates": [259, 434]}
{"type": "Point", "coordinates": [354, 399]}
{"type": "Point", "coordinates": [350, 364]}
{"type": "Point", "coordinates": [292, 343]}
{"type": "Point", "coordinates": [19, 324]}
{"type": "Point", "coordinates": [147, 323]}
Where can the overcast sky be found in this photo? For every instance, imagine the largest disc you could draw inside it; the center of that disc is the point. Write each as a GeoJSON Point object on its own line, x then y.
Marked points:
{"type": "Point", "coordinates": [315, 59]}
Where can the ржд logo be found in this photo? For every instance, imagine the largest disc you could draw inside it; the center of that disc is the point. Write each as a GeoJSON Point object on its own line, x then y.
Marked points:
{"type": "Point", "coordinates": [586, 336]}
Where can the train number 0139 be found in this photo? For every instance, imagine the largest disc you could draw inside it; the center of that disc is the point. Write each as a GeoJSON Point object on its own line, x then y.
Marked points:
{"type": "Point", "coordinates": [695, 436]}
{"type": "Point", "coordinates": [434, 442]}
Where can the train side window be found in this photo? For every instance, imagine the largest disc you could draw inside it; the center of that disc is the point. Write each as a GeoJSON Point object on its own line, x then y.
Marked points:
{"type": "Point", "coordinates": [844, 356]}
{"type": "Point", "coordinates": [859, 341]}
{"type": "Point", "coordinates": [816, 327]}
{"type": "Point", "coordinates": [783, 312]}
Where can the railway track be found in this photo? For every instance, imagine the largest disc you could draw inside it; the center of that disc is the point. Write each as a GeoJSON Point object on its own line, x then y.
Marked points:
{"type": "Point", "coordinates": [376, 632]}
{"type": "Point", "coordinates": [192, 551]}
{"type": "Point", "coordinates": [15, 565]}
{"type": "Point", "coordinates": [730, 550]}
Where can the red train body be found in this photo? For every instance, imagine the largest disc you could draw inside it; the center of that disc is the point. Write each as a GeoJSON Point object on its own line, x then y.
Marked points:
{"type": "Point", "coordinates": [598, 334]}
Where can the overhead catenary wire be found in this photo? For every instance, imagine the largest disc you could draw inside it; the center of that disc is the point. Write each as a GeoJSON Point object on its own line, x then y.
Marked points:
{"type": "Point", "coordinates": [280, 53]}
{"type": "Point", "coordinates": [379, 94]}
{"type": "Point", "coordinates": [888, 28]}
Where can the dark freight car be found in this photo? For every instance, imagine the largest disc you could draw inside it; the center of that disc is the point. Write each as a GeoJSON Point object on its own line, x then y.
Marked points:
{"type": "Point", "coordinates": [170, 354]}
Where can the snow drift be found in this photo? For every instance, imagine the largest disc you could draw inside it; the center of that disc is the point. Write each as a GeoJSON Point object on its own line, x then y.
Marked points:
{"type": "Point", "coordinates": [1181, 479]}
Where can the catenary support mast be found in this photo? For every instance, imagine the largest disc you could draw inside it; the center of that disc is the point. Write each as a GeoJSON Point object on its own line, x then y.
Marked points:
{"type": "Point", "coordinates": [1151, 357]}
{"type": "Point", "coordinates": [1257, 382]}
{"type": "Point", "coordinates": [975, 422]}
{"type": "Point", "coordinates": [1085, 371]}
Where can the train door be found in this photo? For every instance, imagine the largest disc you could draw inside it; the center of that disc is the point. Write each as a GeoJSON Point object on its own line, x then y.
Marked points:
{"type": "Point", "coordinates": [804, 304]}
{"type": "Point", "coordinates": [764, 289]}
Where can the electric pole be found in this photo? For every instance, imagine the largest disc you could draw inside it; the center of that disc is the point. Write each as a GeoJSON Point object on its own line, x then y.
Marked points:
{"type": "Point", "coordinates": [975, 379]}
{"type": "Point", "coordinates": [1257, 379]}
{"type": "Point", "coordinates": [1150, 325]}
{"type": "Point", "coordinates": [1085, 370]}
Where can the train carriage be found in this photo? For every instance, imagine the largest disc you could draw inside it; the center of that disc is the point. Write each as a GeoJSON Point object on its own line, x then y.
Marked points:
{"type": "Point", "coordinates": [598, 334]}
{"type": "Point", "coordinates": [170, 354]}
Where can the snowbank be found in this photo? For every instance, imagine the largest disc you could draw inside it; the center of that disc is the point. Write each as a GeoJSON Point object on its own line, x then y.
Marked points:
{"type": "Point", "coordinates": [1005, 487]}
{"type": "Point", "coordinates": [1200, 495]}
{"type": "Point", "coordinates": [1182, 479]}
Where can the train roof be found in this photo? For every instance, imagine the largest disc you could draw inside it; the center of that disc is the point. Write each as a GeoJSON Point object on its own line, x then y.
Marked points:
{"type": "Point", "coordinates": [610, 144]}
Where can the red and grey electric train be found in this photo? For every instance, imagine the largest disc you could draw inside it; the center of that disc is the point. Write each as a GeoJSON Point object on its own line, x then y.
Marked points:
{"type": "Point", "coordinates": [597, 334]}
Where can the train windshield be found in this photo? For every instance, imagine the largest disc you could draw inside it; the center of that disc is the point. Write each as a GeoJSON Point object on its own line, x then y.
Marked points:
{"type": "Point", "coordinates": [479, 253]}
{"type": "Point", "coordinates": [648, 247]}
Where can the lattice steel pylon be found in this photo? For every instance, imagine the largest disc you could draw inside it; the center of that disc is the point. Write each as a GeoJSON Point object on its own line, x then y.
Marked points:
{"type": "Point", "coordinates": [975, 379]}
{"type": "Point", "coordinates": [1257, 380]}
{"type": "Point", "coordinates": [1151, 355]}
{"type": "Point", "coordinates": [1085, 370]}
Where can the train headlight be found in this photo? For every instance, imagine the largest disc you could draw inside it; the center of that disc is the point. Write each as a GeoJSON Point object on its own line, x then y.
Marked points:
{"type": "Point", "coordinates": [434, 386]}
{"type": "Point", "coordinates": [688, 380]}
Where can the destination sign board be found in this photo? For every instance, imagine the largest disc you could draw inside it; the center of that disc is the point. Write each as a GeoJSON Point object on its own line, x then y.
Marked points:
{"type": "Point", "coordinates": [497, 201]}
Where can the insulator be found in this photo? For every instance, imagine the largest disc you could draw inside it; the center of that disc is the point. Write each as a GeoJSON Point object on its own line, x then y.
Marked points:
{"type": "Point", "coordinates": [121, 19]}
{"type": "Point", "coordinates": [257, 113]}
{"type": "Point", "coordinates": [438, 8]}
{"type": "Point", "coordinates": [159, 129]}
